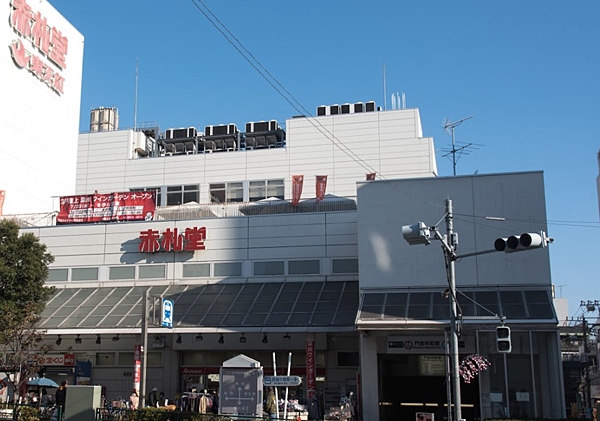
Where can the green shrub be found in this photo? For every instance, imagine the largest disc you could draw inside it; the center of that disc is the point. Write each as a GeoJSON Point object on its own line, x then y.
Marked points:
{"type": "Point", "coordinates": [28, 413]}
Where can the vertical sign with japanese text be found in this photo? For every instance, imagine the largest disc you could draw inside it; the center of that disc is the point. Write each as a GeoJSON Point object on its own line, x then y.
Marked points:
{"type": "Point", "coordinates": [297, 182]}
{"type": "Point", "coordinates": [321, 187]}
{"type": "Point", "coordinates": [39, 47]}
{"type": "Point", "coordinates": [311, 386]}
{"type": "Point", "coordinates": [137, 366]}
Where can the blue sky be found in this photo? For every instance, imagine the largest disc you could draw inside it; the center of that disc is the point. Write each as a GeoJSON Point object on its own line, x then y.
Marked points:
{"type": "Point", "coordinates": [527, 71]}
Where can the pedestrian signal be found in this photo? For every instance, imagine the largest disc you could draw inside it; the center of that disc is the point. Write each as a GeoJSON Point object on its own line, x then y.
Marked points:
{"type": "Point", "coordinates": [503, 344]}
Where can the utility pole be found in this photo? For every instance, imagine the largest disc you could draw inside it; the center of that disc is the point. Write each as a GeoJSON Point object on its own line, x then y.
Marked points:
{"type": "Point", "coordinates": [450, 253]}
{"type": "Point", "coordinates": [420, 234]}
{"type": "Point", "coordinates": [144, 349]}
{"type": "Point", "coordinates": [586, 351]}
{"type": "Point", "coordinates": [588, 306]}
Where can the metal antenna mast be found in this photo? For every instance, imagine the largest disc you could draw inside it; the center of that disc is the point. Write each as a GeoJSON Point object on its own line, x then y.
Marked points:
{"type": "Point", "coordinates": [451, 125]}
{"type": "Point", "coordinates": [384, 90]}
{"type": "Point", "coordinates": [136, 94]}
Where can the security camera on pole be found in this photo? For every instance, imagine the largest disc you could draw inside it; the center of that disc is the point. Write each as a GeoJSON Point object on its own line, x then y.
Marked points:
{"type": "Point", "coordinates": [420, 233]}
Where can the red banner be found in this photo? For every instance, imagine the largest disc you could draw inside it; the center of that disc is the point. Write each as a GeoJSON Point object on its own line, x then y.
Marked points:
{"type": "Point", "coordinates": [2, 194]}
{"type": "Point", "coordinates": [297, 181]}
{"type": "Point", "coordinates": [130, 206]}
{"type": "Point", "coordinates": [321, 187]}
{"type": "Point", "coordinates": [137, 366]}
{"type": "Point", "coordinates": [371, 176]}
{"type": "Point", "coordinates": [311, 386]}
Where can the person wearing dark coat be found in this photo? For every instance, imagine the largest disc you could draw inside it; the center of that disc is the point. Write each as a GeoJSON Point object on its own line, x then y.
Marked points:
{"type": "Point", "coordinates": [153, 398]}
{"type": "Point", "coordinates": [61, 398]}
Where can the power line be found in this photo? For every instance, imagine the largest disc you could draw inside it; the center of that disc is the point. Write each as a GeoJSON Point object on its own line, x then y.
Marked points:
{"type": "Point", "coordinates": [296, 105]}
{"type": "Point", "coordinates": [301, 109]}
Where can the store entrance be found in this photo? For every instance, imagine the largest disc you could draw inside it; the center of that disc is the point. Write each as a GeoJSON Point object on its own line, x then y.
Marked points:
{"type": "Point", "coordinates": [416, 383]}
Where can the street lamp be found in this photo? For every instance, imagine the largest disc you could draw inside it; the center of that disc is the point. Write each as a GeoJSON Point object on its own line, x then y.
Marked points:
{"type": "Point", "coordinates": [420, 233]}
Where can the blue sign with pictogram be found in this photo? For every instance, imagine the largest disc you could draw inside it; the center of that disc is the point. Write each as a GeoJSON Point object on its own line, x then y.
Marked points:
{"type": "Point", "coordinates": [167, 313]}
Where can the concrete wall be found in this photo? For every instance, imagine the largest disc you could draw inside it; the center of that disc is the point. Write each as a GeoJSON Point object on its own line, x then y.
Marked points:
{"type": "Point", "coordinates": [386, 259]}
{"type": "Point", "coordinates": [322, 236]}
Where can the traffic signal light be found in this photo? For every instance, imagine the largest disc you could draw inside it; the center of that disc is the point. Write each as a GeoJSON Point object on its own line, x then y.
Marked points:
{"type": "Point", "coordinates": [503, 344]}
{"type": "Point", "coordinates": [526, 241]}
{"type": "Point", "coordinates": [416, 234]}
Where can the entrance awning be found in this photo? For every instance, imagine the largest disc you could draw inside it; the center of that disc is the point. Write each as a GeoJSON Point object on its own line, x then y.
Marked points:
{"type": "Point", "coordinates": [240, 306]}
{"type": "Point", "coordinates": [387, 309]}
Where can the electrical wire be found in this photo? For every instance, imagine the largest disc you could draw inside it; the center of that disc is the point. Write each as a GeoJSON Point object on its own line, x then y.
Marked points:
{"type": "Point", "coordinates": [296, 105]}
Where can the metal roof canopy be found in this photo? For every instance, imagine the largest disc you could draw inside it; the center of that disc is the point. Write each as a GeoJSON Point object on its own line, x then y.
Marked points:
{"type": "Point", "coordinates": [388, 309]}
{"type": "Point", "coordinates": [221, 307]}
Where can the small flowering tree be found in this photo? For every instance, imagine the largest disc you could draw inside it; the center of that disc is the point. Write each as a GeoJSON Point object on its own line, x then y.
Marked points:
{"type": "Point", "coordinates": [471, 366]}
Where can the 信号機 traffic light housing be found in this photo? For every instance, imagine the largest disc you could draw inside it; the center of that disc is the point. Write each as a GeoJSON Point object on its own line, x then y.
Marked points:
{"type": "Point", "coordinates": [503, 344]}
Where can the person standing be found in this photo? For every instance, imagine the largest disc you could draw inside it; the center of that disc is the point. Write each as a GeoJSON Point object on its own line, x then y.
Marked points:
{"type": "Point", "coordinates": [271, 404]}
{"type": "Point", "coordinates": [61, 398]}
{"type": "Point", "coordinates": [134, 400]}
{"type": "Point", "coordinates": [153, 398]}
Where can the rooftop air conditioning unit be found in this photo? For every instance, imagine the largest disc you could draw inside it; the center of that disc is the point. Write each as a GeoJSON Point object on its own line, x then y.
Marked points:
{"type": "Point", "coordinates": [181, 133]}
{"type": "Point", "coordinates": [322, 110]}
{"type": "Point", "coordinates": [262, 126]}
{"type": "Point", "coordinates": [347, 108]}
{"type": "Point", "coordinates": [359, 107]}
{"type": "Point", "coordinates": [223, 129]}
{"type": "Point", "coordinates": [334, 109]}
{"type": "Point", "coordinates": [370, 106]}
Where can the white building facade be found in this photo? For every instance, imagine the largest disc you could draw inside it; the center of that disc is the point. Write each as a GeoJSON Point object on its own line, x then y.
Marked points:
{"type": "Point", "coordinates": [41, 69]}
{"type": "Point", "coordinates": [313, 279]}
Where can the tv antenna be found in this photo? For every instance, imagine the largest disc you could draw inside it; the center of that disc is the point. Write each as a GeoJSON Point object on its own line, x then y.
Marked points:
{"type": "Point", "coordinates": [461, 150]}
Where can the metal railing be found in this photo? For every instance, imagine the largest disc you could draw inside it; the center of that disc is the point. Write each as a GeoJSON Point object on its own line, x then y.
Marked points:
{"type": "Point", "coordinates": [162, 414]}
{"type": "Point", "coordinates": [215, 210]}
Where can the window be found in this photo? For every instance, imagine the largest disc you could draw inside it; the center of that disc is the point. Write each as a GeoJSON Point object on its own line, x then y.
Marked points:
{"type": "Point", "coordinates": [252, 191]}
{"type": "Point", "coordinates": [269, 268]}
{"type": "Point", "coordinates": [152, 272]}
{"type": "Point", "coordinates": [121, 272]}
{"type": "Point", "coordinates": [196, 270]}
{"type": "Point", "coordinates": [154, 358]}
{"type": "Point", "coordinates": [191, 193]}
{"type": "Point", "coordinates": [235, 192]}
{"type": "Point", "coordinates": [276, 188]}
{"type": "Point", "coordinates": [304, 267]}
{"type": "Point", "coordinates": [217, 193]}
{"type": "Point", "coordinates": [259, 190]}
{"type": "Point", "coordinates": [345, 266]}
{"type": "Point", "coordinates": [57, 275]}
{"type": "Point", "coordinates": [192, 358]}
{"type": "Point", "coordinates": [228, 269]}
{"type": "Point", "coordinates": [84, 274]}
{"type": "Point", "coordinates": [158, 193]}
{"type": "Point", "coordinates": [348, 359]}
{"type": "Point", "coordinates": [126, 359]}
{"type": "Point", "coordinates": [179, 195]}
{"type": "Point", "coordinates": [105, 358]}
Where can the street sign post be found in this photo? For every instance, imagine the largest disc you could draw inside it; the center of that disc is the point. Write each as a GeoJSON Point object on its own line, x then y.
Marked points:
{"type": "Point", "coordinates": [282, 381]}
{"type": "Point", "coordinates": [166, 315]}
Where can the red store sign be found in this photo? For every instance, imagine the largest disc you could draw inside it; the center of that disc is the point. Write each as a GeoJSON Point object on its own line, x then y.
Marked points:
{"type": "Point", "coordinates": [110, 207]}
{"type": "Point", "coordinates": [151, 241]}
{"type": "Point", "coordinates": [58, 360]}
{"type": "Point", "coordinates": [30, 25]}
